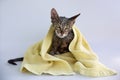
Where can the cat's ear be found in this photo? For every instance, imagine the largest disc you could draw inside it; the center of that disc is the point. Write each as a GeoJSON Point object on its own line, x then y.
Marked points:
{"type": "Point", "coordinates": [54, 16]}
{"type": "Point", "coordinates": [72, 19]}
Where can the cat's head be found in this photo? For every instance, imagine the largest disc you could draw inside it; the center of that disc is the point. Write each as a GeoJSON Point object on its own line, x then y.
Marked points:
{"type": "Point", "coordinates": [62, 25]}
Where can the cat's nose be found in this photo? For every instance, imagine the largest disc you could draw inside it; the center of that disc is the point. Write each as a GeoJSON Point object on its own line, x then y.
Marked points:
{"type": "Point", "coordinates": [62, 33]}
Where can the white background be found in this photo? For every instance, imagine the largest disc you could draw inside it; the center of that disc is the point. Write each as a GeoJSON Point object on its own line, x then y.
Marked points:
{"type": "Point", "coordinates": [24, 22]}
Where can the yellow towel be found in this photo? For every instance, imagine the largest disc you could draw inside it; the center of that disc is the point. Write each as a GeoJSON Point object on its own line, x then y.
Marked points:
{"type": "Point", "coordinates": [81, 59]}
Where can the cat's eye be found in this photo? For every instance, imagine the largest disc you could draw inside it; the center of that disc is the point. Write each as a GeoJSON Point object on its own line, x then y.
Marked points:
{"type": "Point", "coordinates": [58, 31]}
{"type": "Point", "coordinates": [58, 28]}
{"type": "Point", "coordinates": [66, 29]}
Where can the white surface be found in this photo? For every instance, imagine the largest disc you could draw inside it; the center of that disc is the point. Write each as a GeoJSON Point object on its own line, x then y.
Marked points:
{"type": "Point", "coordinates": [24, 22]}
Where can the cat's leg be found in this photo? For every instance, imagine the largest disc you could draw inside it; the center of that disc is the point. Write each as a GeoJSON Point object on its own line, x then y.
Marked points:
{"type": "Point", "coordinates": [54, 49]}
{"type": "Point", "coordinates": [56, 42]}
{"type": "Point", "coordinates": [63, 48]}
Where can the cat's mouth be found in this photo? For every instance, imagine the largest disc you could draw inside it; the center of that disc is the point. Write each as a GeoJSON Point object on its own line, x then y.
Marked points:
{"type": "Point", "coordinates": [61, 36]}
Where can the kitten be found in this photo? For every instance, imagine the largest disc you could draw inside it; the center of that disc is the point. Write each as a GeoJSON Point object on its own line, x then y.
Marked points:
{"type": "Point", "coordinates": [63, 35]}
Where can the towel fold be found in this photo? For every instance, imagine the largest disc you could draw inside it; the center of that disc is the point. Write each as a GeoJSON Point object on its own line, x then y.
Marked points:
{"type": "Point", "coordinates": [81, 59]}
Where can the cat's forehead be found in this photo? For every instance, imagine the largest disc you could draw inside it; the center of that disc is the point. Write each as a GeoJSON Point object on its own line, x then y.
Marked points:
{"type": "Point", "coordinates": [63, 20]}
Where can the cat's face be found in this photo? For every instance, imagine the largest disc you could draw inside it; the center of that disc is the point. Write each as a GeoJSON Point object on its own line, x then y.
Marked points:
{"type": "Point", "coordinates": [62, 25]}
{"type": "Point", "coordinates": [62, 28]}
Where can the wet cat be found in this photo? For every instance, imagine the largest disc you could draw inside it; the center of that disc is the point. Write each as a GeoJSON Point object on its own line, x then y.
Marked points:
{"type": "Point", "coordinates": [63, 35]}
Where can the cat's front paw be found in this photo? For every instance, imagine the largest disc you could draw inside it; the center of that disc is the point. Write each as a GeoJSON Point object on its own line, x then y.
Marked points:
{"type": "Point", "coordinates": [57, 52]}
{"type": "Point", "coordinates": [52, 53]}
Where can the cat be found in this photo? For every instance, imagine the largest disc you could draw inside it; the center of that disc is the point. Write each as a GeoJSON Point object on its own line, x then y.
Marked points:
{"type": "Point", "coordinates": [62, 36]}
{"type": "Point", "coordinates": [63, 33]}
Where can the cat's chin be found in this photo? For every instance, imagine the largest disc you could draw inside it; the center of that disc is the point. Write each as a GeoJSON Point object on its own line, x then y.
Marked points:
{"type": "Point", "coordinates": [61, 36]}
